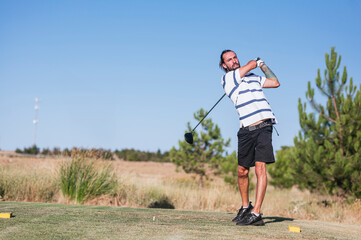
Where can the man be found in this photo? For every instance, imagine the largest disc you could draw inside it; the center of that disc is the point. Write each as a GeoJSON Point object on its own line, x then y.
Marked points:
{"type": "Point", "coordinates": [255, 133]}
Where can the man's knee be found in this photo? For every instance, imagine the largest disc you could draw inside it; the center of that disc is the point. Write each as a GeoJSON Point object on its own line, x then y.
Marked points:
{"type": "Point", "coordinates": [260, 169]}
{"type": "Point", "coordinates": [242, 172]}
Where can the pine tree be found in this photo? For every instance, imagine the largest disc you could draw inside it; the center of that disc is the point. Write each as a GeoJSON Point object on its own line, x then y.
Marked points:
{"type": "Point", "coordinates": [326, 156]}
{"type": "Point", "coordinates": [206, 150]}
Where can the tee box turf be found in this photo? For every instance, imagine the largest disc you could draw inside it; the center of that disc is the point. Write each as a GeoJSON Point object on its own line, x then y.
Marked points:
{"type": "Point", "coordinates": [5, 215]}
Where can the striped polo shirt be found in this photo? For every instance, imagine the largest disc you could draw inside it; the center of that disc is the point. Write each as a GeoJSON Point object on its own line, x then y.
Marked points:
{"type": "Point", "coordinates": [247, 96]}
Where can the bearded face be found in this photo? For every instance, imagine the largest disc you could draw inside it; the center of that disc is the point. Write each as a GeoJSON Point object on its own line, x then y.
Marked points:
{"type": "Point", "coordinates": [230, 61]}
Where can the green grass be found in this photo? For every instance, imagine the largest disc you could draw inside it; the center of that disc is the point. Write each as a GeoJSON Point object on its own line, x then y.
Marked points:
{"type": "Point", "coordinates": [55, 221]}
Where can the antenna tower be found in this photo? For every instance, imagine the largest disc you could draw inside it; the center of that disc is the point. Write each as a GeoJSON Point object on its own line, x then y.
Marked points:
{"type": "Point", "coordinates": [35, 121]}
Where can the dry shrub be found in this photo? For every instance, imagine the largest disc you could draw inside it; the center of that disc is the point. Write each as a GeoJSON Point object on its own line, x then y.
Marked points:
{"type": "Point", "coordinates": [19, 184]}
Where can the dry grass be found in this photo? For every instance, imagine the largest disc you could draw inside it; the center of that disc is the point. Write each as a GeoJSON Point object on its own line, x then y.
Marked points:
{"type": "Point", "coordinates": [142, 183]}
{"type": "Point", "coordinates": [27, 179]}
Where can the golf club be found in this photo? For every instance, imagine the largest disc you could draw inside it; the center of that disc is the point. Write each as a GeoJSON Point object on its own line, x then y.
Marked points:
{"type": "Point", "coordinates": [189, 136]}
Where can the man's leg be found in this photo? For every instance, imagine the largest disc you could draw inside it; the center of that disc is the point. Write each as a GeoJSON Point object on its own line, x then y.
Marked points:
{"type": "Point", "coordinates": [243, 184]}
{"type": "Point", "coordinates": [261, 174]}
{"type": "Point", "coordinates": [264, 150]}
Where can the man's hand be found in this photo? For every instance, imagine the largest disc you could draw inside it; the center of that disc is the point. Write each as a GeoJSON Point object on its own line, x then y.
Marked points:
{"type": "Point", "coordinates": [252, 64]}
{"type": "Point", "coordinates": [246, 68]}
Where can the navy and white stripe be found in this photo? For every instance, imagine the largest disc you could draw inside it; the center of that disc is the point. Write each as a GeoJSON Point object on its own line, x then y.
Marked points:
{"type": "Point", "coordinates": [255, 112]}
{"type": "Point", "coordinates": [250, 102]}
{"type": "Point", "coordinates": [247, 96]}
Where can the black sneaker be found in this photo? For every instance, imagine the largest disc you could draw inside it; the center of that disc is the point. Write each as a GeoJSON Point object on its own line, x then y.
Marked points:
{"type": "Point", "coordinates": [251, 219]}
{"type": "Point", "coordinates": [242, 212]}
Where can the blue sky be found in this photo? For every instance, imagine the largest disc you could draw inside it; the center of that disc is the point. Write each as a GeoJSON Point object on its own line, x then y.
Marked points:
{"type": "Point", "coordinates": [130, 74]}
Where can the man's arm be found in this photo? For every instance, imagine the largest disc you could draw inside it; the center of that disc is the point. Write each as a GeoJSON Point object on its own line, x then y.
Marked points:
{"type": "Point", "coordinates": [271, 79]}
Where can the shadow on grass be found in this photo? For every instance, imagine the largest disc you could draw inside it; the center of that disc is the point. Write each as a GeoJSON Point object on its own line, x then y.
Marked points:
{"type": "Point", "coordinates": [164, 202]}
{"type": "Point", "coordinates": [268, 220]}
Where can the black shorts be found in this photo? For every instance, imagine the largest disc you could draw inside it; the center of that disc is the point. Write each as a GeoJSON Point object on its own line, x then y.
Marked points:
{"type": "Point", "coordinates": [255, 146]}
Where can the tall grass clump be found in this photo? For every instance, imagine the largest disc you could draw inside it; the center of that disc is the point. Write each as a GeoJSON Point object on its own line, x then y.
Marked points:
{"type": "Point", "coordinates": [18, 184]}
{"type": "Point", "coordinates": [84, 178]}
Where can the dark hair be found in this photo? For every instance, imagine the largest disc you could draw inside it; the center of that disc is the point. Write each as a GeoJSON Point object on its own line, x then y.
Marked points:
{"type": "Point", "coordinates": [221, 61]}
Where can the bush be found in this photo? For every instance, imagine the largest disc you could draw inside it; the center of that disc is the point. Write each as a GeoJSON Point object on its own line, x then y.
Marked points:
{"type": "Point", "coordinates": [82, 179]}
{"type": "Point", "coordinates": [281, 171]}
{"type": "Point", "coordinates": [46, 151]}
{"type": "Point", "coordinates": [18, 150]}
{"type": "Point", "coordinates": [163, 202]}
{"type": "Point", "coordinates": [56, 151]}
{"type": "Point", "coordinates": [30, 150]}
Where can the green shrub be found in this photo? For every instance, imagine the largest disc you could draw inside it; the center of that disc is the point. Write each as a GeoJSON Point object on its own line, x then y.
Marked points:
{"type": "Point", "coordinates": [281, 171]}
{"type": "Point", "coordinates": [163, 202]}
{"type": "Point", "coordinates": [81, 179]}
{"type": "Point", "coordinates": [18, 150]}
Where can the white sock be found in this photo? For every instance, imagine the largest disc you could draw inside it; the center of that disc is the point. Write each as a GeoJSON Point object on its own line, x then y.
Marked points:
{"type": "Point", "coordinates": [246, 207]}
{"type": "Point", "coordinates": [257, 214]}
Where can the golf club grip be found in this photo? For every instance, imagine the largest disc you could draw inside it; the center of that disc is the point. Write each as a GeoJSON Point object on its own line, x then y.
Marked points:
{"type": "Point", "coordinates": [209, 112]}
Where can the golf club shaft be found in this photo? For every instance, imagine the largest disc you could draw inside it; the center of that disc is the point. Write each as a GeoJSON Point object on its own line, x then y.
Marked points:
{"type": "Point", "coordinates": [208, 112]}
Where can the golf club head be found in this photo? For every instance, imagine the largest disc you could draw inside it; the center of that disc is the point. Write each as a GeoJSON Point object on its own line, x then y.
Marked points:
{"type": "Point", "coordinates": [189, 138]}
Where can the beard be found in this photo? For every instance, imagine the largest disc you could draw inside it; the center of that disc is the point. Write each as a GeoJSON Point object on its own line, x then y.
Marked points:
{"type": "Point", "coordinates": [233, 67]}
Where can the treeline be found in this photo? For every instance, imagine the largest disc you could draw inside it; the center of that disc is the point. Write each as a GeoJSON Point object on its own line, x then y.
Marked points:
{"type": "Point", "coordinates": [125, 154]}
{"type": "Point", "coordinates": [136, 155]}
{"type": "Point", "coordinates": [56, 151]}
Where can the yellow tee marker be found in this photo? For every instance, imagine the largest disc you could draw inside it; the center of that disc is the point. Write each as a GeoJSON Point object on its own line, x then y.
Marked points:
{"type": "Point", "coordinates": [5, 215]}
{"type": "Point", "coordinates": [294, 228]}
